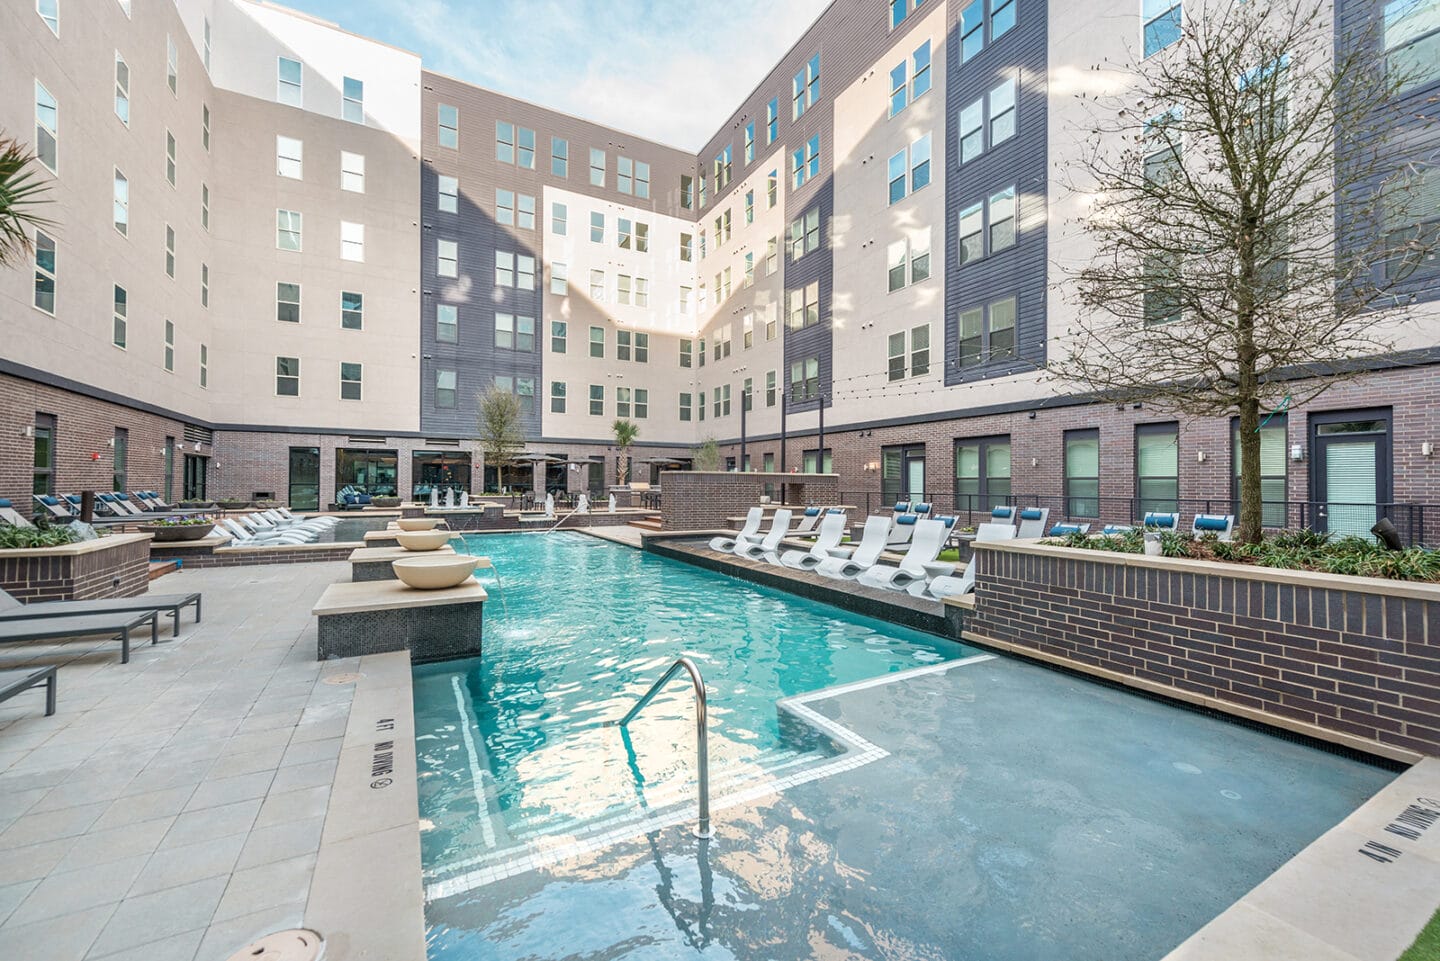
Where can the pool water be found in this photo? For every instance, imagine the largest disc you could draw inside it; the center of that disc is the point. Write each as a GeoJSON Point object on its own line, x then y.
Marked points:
{"type": "Point", "coordinates": [514, 747]}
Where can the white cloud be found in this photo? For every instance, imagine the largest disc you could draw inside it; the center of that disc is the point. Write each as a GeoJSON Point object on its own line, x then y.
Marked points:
{"type": "Point", "coordinates": [665, 70]}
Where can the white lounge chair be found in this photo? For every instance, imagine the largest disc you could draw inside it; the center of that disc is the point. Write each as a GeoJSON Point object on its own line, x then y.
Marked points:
{"type": "Point", "coordinates": [951, 586]}
{"type": "Point", "coordinates": [1220, 525]}
{"type": "Point", "coordinates": [289, 535]}
{"type": "Point", "coordinates": [1032, 522]}
{"type": "Point", "coordinates": [872, 544]}
{"type": "Point", "coordinates": [903, 530]}
{"type": "Point", "coordinates": [9, 515]}
{"type": "Point", "coordinates": [243, 537]}
{"type": "Point", "coordinates": [766, 547]}
{"type": "Point", "coordinates": [809, 520]}
{"type": "Point", "coordinates": [929, 538]}
{"type": "Point", "coordinates": [54, 506]}
{"type": "Point", "coordinates": [726, 545]}
{"type": "Point", "coordinates": [832, 529]}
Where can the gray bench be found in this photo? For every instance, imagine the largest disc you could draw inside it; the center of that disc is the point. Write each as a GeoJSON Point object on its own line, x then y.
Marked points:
{"type": "Point", "coordinates": [13, 682]}
{"type": "Point", "coordinates": [12, 610]}
{"type": "Point", "coordinates": [53, 628]}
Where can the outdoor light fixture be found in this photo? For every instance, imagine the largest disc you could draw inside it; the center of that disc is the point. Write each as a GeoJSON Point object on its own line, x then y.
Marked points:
{"type": "Point", "coordinates": [872, 466]}
{"type": "Point", "coordinates": [1200, 456]}
{"type": "Point", "coordinates": [28, 431]}
{"type": "Point", "coordinates": [1297, 452]}
{"type": "Point", "coordinates": [1427, 449]}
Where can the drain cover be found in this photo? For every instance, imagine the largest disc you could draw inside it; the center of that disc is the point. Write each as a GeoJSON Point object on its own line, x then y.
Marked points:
{"type": "Point", "coordinates": [298, 944]}
{"type": "Point", "coordinates": [343, 678]}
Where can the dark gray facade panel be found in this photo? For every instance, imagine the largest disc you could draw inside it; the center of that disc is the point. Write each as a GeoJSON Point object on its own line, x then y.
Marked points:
{"type": "Point", "coordinates": [1022, 161]}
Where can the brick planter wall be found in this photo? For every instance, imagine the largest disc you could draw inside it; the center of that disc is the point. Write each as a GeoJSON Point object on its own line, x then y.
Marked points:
{"type": "Point", "coordinates": [701, 500]}
{"type": "Point", "coordinates": [79, 572]}
{"type": "Point", "coordinates": [1347, 659]}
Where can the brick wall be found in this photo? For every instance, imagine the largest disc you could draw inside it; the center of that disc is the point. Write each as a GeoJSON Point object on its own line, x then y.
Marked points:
{"type": "Point", "coordinates": [250, 556]}
{"type": "Point", "coordinates": [1352, 659]}
{"type": "Point", "coordinates": [702, 500]}
{"type": "Point", "coordinates": [121, 568]}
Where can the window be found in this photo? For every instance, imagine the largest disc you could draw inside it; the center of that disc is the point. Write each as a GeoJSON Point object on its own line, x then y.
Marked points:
{"type": "Point", "coordinates": [722, 169]}
{"type": "Point", "coordinates": [972, 241]}
{"type": "Point", "coordinates": [687, 347]}
{"type": "Point", "coordinates": [685, 407]}
{"type": "Point", "coordinates": [899, 87]}
{"type": "Point", "coordinates": [805, 233]}
{"type": "Point", "coordinates": [559, 279]}
{"type": "Point", "coordinates": [749, 280]}
{"type": "Point", "coordinates": [1412, 43]}
{"type": "Point", "coordinates": [981, 342]}
{"type": "Point", "coordinates": [919, 350]}
{"type": "Point", "coordinates": [622, 296]}
{"type": "Point", "coordinates": [172, 59]}
{"type": "Point", "coordinates": [1157, 468]}
{"type": "Point", "coordinates": [597, 167]}
{"type": "Point", "coordinates": [750, 142]}
{"type": "Point", "coordinates": [1002, 111]}
{"type": "Point", "coordinates": [597, 227]}
{"type": "Point", "coordinates": [622, 401]}
{"type": "Point", "coordinates": [1004, 209]}
{"type": "Point", "coordinates": [352, 103]}
{"type": "Point", "coordinates": [447, 255]}
{"type": "Point", "coordinates": [120, 457]}
{"type": "Point", "coordinates": [120, 317]}
{"type": "Point", "coordinates": [722, 400]}
{"type": "Point", "coordinates": [448, 194]}
{"type": "Point", "coordinates": [446, 389]}
{"type": "Point", "coordinates": [289, 82]}
{"type": "Point", "coordinates": [701, 352]}
{"type": "Point", "coordinates": [287, 376]}
{"type": "Point", "coordinates": [47, 127]}
{"type": "Point", "coordinates": [43, 472]}
{"type": "Point", "coordinates": [804, 305]}
{"type": "Point", "coordinates": [289, 157]}
{"type": "Point", "coordinates": [687, 247]}
{"type": "Point", "coordinates": [514, 270]}
{"type": "Point", "coordinates": [908, 260]}
{"type": "Point", "coordinates": [770, 389]}
{"type": "Point", "coordinates": [896, 354]}
{"type": "Point", "coordinates": [205, 126]}
{"type": "Point", "coordinates": [700, 406]}
{"type": "Point", "coordinates": [1273, 463]}
{"type": "Point", "coordinates": [559, 219]}
{"type": "Point", "coordinates": [597, 342]}
{"type": "Point", "coordinates": [448, 126]}
{"type": "Point", "coordinates": [625, 175]}
{"type": "Point", "coordinates": [982, 472]}
{"type": "Point", "coordinates": [559, 159]}
{"type": "Point", "coordinates": [623, 233]}
{"type": "Point", "coordinates": [972, 131]}
{"type": "Point", "coordinates": [749, 206]}
{"type": "Point", "coordinates": [685, 293]}
{"type": "Point", "coordinates": [1082, 473]}
{"type": "Point", "coordinates": [44, 273]}
{"type": "Point", "coordinates": [287, 302]}
{"type": "Point", "coordinates": [559, 330]}
{"type": "Point", "coordinates": [1002, 17]}
{"type": "Point", "coordinates": [352, 172]}
{"type": "Point", "coordinates": [805, 91]}
{"type": "Point", "coordinates": [920, 72]}
{"type": "Point", "coordinates": [805, 162]}
{"type": "Point", "coordinates": [1412, 219]}
{"type": "Point", "coordinates": [1160, 299]}
{"type": "Point", "coordinates": [525, 212]}
{"type": "Point", "coordinates": [170, 251]}
{"type": "Point", "coordinates": [170, 157]}
{"type": "Point", "coordinates": [204, 366]}
{"type": "Point", "coordinates": [122, 89]}
{"type": "Point", "coordinates": [702, 189]}
{"type": "Point", "coordinates": [972, 30]}
{"type": "Point", "coordinates": [49, 11]}
{"type": "Point", "coordinates": [642, 295]}
{"type": "Point", "coordinates": [687, 191]}
{"type": "Point", "coordinates": [909, 169]}
{"type": "Point", "coordinates": [772, 120]}
{"type": "Point", "coordinates": [597, 400]}
{"type": "Point", "coordinates": [350, 377]}
{"type": "Point", "coordinates": [352, 241]}
{"type": "Point", "coordinates": [204, 285]}
{"type": "Point", "coordinates": [505, 206]}
{"type": "Point", "coordinates": [909, 79]}
{"type": "Point", "coordinates": [557, 397]}
{"type": "Point", "coordinates": [805, 379]}
{"type": "Point", "coordinates": [772, 321]}
{"type": "Point", "coordinates": [205, 206]}
{"type": "Point", "coordinates": [772, 189]}
{"type": "Point", "coordinates": [352, 311]}
{"type": "Point", "coordinates": [447, 323]}
{"type": "Point", "coordinates": [504, 142]}
{"type": "Point", "coordinates": [525, 158]}
{"type": "Point", "coordinates": [1161, 20]}
{"type": "Point", "coordinates": [514, 333]}
{"type": "Point", "coordinates": [121, 218]}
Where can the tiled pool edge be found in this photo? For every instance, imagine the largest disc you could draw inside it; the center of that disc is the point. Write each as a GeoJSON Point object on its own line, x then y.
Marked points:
{"type": "Point", "coordinates": [1362, 890]}
{"type": "Point", "coordinates": [366, 897]}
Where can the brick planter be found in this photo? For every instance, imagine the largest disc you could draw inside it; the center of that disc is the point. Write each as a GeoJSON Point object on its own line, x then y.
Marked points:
{"type": "Point", "coordinates": [1352, 660]}
{"type": "Point", "coordinates": [114, 566]}
{"type": "Point", "coordinates": [702, 500]}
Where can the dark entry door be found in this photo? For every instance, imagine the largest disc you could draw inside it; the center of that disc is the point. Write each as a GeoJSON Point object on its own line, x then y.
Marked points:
{"type": "Point", "coordinates": [1351, 475]}
{"type": "Point", "coordinates": [305, 478]}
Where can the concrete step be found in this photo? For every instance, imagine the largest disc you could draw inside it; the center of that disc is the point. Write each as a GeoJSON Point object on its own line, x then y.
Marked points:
{"type": "Point", "coordinates": [161, 568]}
{"type": "Point", "coordinates": [647, 524]}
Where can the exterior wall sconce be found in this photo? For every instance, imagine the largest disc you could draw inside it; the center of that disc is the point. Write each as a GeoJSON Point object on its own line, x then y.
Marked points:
{"type": "Point", "coordinates": [1427, 449]}
{"type": "Point", "coordinates": [872, 466]}
{"type": "Point", "coordinates": [1200, 456]}
{"type": "Point", "coordinates": [1297, 452]}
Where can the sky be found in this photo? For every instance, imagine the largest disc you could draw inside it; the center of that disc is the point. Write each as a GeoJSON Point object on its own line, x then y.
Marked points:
{"type": "Point", "coordinates": [663, 69]}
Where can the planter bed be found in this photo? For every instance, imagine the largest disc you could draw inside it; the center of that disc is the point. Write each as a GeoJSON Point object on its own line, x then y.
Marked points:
{"type": "Point", "coordinates": [114, 566]}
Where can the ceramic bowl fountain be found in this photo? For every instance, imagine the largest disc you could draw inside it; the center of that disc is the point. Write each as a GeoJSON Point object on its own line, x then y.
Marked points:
{"type": "Point", "coordinates": [418, 523]}
{"type": "Point", "coordinates": [434, 572]}
{"type": "Point", "coordinates": [423, 540]}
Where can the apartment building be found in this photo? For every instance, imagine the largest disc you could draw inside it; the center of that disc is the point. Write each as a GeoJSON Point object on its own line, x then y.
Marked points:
{"type": "Point", "coordinates": [876, 237]}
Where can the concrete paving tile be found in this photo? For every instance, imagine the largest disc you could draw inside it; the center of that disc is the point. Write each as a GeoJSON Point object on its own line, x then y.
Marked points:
{"type": "Point", "coordinates": [181, 947]}
{"type": "Point", "coordinates": [310, 802]}
{"type": "Point", "coordinates": [153, 917]}
{"type": "Point", "coordinates": [75, 792]}
{"type": "Point", "coordinates": [228, 790]}
{"type": "Point", "coordinates": [256, 741]}
{"type": "Point", "coordinates": [304, 775]}
{"type": "Point", "coordinates": [18, 803]}
{"type": "Point", "coordinates": [345, 895]}
{"type": "Point", "coordinates": [224, 938]}
{"type": "Point", "coordinates": [217, 822]}
{"type": "Point", "coordinates": [281, 842]}
{"type": "Point", "coordinates": [12, 894]}
{"type": "Point", "coordinates": [55, 939]}
{"type": "Point", "coordinates": [25, 780]}
{"type": "Point", "coordinates": [49, 825]}
{"type": "Point", "coordinates": [267, 886]}
{"type": "Point", "coordinates": [1243, 931]}
{"type": "Point", "coordinates": [234, 765]}
{"type": "Point", "coordinates": [34, 861]}
{"type": "Point", "coordinates": [269, 722]}
{"type": "Point", "coordinates": [321, 730]}
{"type": "Point", "coordinates": [114, 844]}
{"type": "Point", "coordinates": [143, 807]}
{"type": "Point", "coordinates": [186, 863]}
{"type": "Point", "coordinates": [307, 752]}
{"type": "Point", "coordinates": [160, 774]}
{"type": "Point", "coordinates": [80, 890]}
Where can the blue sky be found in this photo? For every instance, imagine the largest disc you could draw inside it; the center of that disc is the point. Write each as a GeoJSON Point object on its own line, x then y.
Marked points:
{"type": "Point", "coordinates": [671, 70]}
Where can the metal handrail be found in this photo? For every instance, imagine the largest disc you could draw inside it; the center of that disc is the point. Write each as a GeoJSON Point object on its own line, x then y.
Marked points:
{"type": "Point", "coordinates": [702, 742]}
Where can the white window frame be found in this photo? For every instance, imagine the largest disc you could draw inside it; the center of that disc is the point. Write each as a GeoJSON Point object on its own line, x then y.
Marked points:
{"type": "Point", "coordinates": [447, 194]}
{"type": "Point", "coordinates": [121, 193]}
{"type": "Point", "coordinates": [352, 241]}
{"type": "Point", "coordinates": [352, 109]}
{"type": "Point", "coordinates": [352, 172]}
{"type": "Point", "coordinates": [290, 222]}
{"type": "Point", "coordinates": [290, 93]}
{"type": "Point", "coordinates": [289, 157]}
{"type": "Point", "coordinates": [447, 255]}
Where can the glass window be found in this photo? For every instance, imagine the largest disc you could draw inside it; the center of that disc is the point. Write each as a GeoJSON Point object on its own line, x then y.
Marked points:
{"type": "Point", "coordinates": [288, 224]}
{"type": "Point", "coordinates": [122, 89]}
{"type": "Point", "coordinates": [289, 157]}
{"type": "Point", "coordinates": [122, 203]}
{"type": "Point", "coordinates": [559, 157]}
{"type": "Point", "coordinates": [772, 120]}
{"type": "Point", "coordinates": [505, 207]}
{"type": "Point", "coordinates": [170, 251]}
{"type": "Point", "coordinates": [44, 273]}
{"type": "Point", "coordinates": [559, 330]}
{"type": "Point", "coordinates": [972, 30]}
{"type": "Point", "coordinates": [352, 106]}
{"type": "Point", "coordinates": [287, 302]}
{"type": "Point", "coordinates": [504, 142]}
{"type": "Point", "coordinates": [597, 227]}
{"type": "Point", "coordinates": [972, 131]}
{"type": "Point", "coordinates": [447, 257]}
{"type": "Point", "coordinates": [352, 310]}
{"type": "Point", "coordinates": [559, 219]}
{"type": "Point", "coordinates": [170, 157]}
{"type": "Point", "coordinates": [205, 126]}
{"type": "Point", "coordinates": [525, 155]}
{"type": "Point", "coordinates": [920, 163]}
{"type": "Point", "coordinates": [895, 174]}
{"type": "Point", "coordinates": [750, 142]}
{"type": "Point", "coordinates": [982, 473]}
{"type": "Point", "coordinates": [49, 11]}
{"type": "Point", "coordinates": [806, 162]}
{"type": "Point", "coordinates": [920, 75]}
{"type": "Point", "coordinates": [1002, 17]}
{"type": "Point", "coordinates": [971, 330]}
{"type": "Point", "coordinates": [448, 194]}
{"type": "Point", "coordinates": [1002, 328]}
{"type": "Point", "coordinates": [1157, 468]}
{"type": "Point", "coordinates": [287, 376]}
{"type": "Point", "coordinates": [352, 241]}
{"type": "Point", "coordinates": [289, 82]}
{"type": "Point", "coordinates": [559, 279]}
{"type": "Point", "coordinates": [350, 380]}
{"type": "Point", "coordinates": [446, 388]}
{"type": "Point", "coordinates": [597, 342]}
{"type": "Point", "coordinates": [1082, 473]}
{"type": "Point", "coordinates": [47, 128]}
{"type": "Point", "coordinates": [1274, 463]}
{"type": "Point", "coordinates": [204, 285]}
{"type": "Point", "coordinates": [597, 167]}
{"type": "Point", "coordinates": [352, 172]}
{"type": "Point", "coordinates": [557, 397]}
{"type": "Point", "coordinates": [1002, 111]}
{"type": "Point", "coordinates": [43, 472]}
{"type": "Point", "coordinates": [972, 242]}
{"type": "Point", "coordinates": [1003, 213]}
{"type": "Point", "coordinates": [448, 126]}
{"type": "Point", "coordinates": [896, 353]}
{"type": "Point", "coordinates": [1412, 43]}
{"type": "Point", "coordinates": [120, 317]}
{"type": "Point", "coordinates": [1162, 19]}
{"type": "Point", "coordinates": [204, 365]}
{"type": "Point", "coordinates": [899, 9]}
{"type": "Point", "coordinates": [899, 87]}
{"type": "Point", "coordinates": [919, 350]}
{"type": "Point", "coordinates": [805, 90]}
{"type": "Point", "coordinates": [447, 323]}
{"type": "Point", "coordinates": [597, 400]}
{"type": "Point", "coordinates": [172, 65]}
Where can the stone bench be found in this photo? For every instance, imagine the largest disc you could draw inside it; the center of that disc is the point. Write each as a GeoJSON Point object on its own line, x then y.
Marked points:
{"type": "Point", "coordinates": [373, 563]}
{"type": "Point", "coordinates": [375, 617]}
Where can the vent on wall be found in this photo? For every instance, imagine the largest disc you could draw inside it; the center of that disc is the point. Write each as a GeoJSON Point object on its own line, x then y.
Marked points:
{"type": "Point", "coordinates": [441, 442]}
{"type": "Point", "coordinates": [195, 434]}
{"type": "Point", "coordinates": [353, 439]}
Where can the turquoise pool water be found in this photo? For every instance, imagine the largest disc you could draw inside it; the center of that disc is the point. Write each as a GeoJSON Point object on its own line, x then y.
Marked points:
{"type": "Point", "coordinates": [514, 747]}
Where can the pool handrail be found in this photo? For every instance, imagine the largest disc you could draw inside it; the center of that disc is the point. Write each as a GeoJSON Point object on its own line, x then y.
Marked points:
{"type": "Point", "coordinates": [702, 741]}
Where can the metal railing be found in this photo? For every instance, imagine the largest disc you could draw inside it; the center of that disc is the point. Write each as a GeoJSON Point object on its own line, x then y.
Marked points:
{"type": "Point", "coordinates": [702, 741]}
{"type": "Point", "coordinates": [1418, 524]}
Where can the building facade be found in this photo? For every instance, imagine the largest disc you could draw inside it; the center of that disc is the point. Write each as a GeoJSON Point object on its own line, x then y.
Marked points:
{"type": "Point", "coordinates": [285, 258]}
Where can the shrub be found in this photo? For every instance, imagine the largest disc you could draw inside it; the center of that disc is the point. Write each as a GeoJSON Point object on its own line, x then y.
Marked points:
{"type": "Point", "coordinates": [21, 538]}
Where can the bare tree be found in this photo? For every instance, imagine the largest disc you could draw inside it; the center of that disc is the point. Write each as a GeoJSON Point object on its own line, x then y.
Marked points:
{"type": "Point", "coordinates": [1212, 190]}
{"type": "Point", "coordinates": [499, 422]}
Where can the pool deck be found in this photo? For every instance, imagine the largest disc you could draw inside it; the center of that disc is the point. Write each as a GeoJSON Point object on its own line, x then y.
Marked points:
{"type": "Point", "coordinates": [224, 784]}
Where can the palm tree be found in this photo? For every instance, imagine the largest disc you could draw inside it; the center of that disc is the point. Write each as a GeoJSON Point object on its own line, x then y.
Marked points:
{"type": "Point", "coordinates": [20, 190]}
{"type": "Point", "coordinates": [625, 433]}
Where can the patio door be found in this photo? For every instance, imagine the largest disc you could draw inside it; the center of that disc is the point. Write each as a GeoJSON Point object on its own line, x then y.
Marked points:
{"type": "Point", "coordinates": [1351, 476]}
{"type": "Point", "coordinates": [192, 485]}
{"type": "Point", "coordinates": [902, 473]}
{"type": "Point", "coordinates": [304, 494]}
{"type": "Point", "coordinates": [982, 473]}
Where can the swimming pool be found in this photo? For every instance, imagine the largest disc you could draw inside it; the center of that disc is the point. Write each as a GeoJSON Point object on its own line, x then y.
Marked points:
{"type": "Point", "coordinates": [992, 809]}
